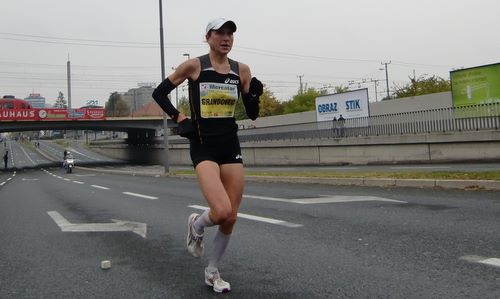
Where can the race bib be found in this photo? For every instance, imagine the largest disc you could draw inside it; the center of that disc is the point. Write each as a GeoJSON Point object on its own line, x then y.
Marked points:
{"type": "Point", "coordinates": [218, 99]}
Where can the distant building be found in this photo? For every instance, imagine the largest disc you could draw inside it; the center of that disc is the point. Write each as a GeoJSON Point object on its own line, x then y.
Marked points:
{"type": "Point", "coordinates": [36, 100]}
{"type": "Point", "coordinates": [151, 109]}
{"type": "Point", "coordinates": [136, 98]}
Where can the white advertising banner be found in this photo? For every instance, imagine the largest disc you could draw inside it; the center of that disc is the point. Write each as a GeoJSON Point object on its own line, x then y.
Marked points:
{"type": "Point", "coordinates": [349, 104]}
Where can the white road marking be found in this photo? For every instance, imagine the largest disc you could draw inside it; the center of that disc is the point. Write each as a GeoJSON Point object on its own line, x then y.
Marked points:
{"type": "Point", "coordinates": [267, 198]}
{"type": "Point", "coordinates": [84, 175]}
{"type": "Point", "coordinates": [78, 182]}
{"type": "Point", "coordinates": [100, 187]}
{"type": "Point", "coordinates": [2, 183]}
{"type": "Point", "coordinates": [256, 218]}
{"type": "Point", "coordinates": [92, 158]}
{"type": "Point", "coordinates": [140, 195]}
{"type": "Point", "coordinates": [28, 156]}
{"type": "Point", "coordinates": [67, 180]}
{"type": "Point", "coordinates": [490, 261]}
{"type": "Point", "coordinates": [324, 199]}
{"type": "Point", "coordinates": [25, 179]}
{"type": "Point", "coordinates": [116, 226]}
{"type": "Point", "coordinates": [495, 262]}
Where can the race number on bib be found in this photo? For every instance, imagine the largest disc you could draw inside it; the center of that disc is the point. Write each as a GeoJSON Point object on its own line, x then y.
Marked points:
{"type": "Point", "coordinates": [218, 99]}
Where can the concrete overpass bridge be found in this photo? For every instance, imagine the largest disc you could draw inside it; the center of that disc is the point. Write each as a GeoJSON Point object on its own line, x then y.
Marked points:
{"type": "Point", "coordinates": [140, 130]}
{"type": "Point", "coordinates": [441, 135]}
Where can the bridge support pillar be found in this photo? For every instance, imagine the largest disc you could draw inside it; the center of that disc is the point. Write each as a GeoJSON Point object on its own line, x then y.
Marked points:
{"type": "Point", "coordinates": [140, 137]}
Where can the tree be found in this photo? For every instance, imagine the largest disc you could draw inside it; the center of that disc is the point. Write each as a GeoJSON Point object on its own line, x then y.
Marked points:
{"type": "Point", "coordinates": [422, 85]}
{"type": "Point", "coordinates": [269, 105]}
{"type": "Point", "coordinates": [341, 89]}
{"type": "Point", "coordinates": [116, 106]}
{"type": "Point", "coordinates": [301, 102]}
{"type": "Point", "coordinates": [61, 102]}
{"type": "Point", "coordinates": [184, 106]}
{"type": "Point", "coordinates": [239, 110]}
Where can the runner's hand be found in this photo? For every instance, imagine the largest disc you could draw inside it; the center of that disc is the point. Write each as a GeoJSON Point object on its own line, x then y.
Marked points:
{"type": "Point", "coordinates": [256, 88]}
{"type": "Point", "coordinates": [186, 129]}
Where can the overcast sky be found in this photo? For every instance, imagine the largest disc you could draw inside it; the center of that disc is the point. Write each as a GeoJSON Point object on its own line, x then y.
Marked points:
{"type": "Point", "coordinates": [114, 44]}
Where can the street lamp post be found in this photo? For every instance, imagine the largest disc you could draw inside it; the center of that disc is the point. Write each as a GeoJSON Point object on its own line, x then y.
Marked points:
{"type": "Point", "coordinates": [188, 57]}
{"type": "Point", "coordinates": [176, 93]}
{"type": "Point", "coordinates": [166, 163]}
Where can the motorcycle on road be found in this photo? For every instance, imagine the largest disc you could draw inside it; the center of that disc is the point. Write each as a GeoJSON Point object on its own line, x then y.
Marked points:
{"type": "Point", "coordinates": [69, 163]}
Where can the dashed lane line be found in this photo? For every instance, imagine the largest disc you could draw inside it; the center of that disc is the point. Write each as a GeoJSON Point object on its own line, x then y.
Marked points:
{"type": "Point", "coordinates": [100, 187]}
{"type": "Point", "coordinates": [140, 195]}
{"type": "Point", "coordinates": [8, 179]}
{"type": "Point", "coordinates": [256, 218]}
{"type": "Point", "coordinates": [78, 182]}
{"type": "Point", "coordinates": [489, 261]}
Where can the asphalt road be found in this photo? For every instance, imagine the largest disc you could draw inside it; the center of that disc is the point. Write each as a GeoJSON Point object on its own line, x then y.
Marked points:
{"type": "Point", "coordinates": [291, 240]}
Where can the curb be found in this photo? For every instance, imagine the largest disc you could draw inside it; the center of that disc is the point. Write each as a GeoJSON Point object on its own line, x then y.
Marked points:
{"type": "Point", "coordinates": [370, 182]}
{"type": "Point", "coordinates": [381, 182]}
{"type": "Point", "coordinates": [129, 172]}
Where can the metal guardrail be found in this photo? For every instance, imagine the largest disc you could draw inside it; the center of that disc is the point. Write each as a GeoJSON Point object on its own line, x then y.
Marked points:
{"type": "Point", "coordinates": [466, 118]}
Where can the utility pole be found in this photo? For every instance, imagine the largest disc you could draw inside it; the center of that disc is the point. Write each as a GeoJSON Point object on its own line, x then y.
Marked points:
{"type": "Point", "coordinates": [68, 72]}
{"type": "Point", "coordinates": [386, 76]}
{"type": "Point", "coordinates": [300, 82]}
{"type": "Point", "coordinates": [166, 163]}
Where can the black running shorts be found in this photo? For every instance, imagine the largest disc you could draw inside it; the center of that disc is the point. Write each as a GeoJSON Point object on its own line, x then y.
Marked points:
{"type": "Point", "coordinates": [221, 150]}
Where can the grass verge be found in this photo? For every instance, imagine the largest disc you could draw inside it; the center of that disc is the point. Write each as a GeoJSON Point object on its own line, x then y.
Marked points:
{"type": "Point", "coordinates": [434, 175]}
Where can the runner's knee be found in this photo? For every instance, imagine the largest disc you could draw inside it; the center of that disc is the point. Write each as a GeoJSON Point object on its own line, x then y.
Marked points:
{"type": "Point", "coordinates": [221, 215]}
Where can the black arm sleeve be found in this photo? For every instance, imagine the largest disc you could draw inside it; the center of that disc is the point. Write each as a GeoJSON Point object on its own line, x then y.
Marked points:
{"type": "Point", "coordinates": [251, 104]}
{"type": "Point", "coordinates": [160, 95]}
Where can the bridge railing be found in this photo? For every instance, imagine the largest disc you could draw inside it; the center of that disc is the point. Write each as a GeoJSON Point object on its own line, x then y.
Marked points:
{"type": "Point", "coordinates": [466, 118]}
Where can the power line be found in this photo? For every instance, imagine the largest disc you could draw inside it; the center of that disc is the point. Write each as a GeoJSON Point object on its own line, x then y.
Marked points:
{"type": "Point", "coordinates": [151, 45]}
{"type": "Point", "coordinates": [78, 39]}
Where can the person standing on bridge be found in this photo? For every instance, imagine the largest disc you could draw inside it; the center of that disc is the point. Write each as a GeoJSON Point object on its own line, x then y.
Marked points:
{"type": "Point", "coordinates": [215, 85]}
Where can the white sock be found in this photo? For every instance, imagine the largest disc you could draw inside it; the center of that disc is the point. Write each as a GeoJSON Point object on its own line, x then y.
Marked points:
{"type": "Point", "coordinates": [220, 244]}
{"type": "Point", "coordinates": [202, 222]}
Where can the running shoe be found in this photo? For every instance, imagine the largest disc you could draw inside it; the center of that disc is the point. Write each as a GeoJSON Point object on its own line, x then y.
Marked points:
{"type": "Point", "coordinates": [194, 241]}
{"type": "Point", "coordinates": [213, 279]}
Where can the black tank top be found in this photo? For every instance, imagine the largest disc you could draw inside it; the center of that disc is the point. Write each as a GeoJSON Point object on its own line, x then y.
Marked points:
{"type": "Point", "coordinates": [212, 99]}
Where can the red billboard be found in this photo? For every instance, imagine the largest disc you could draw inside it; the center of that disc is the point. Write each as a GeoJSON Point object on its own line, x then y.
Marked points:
{"type": "Point", "coordinates": [52, 114]}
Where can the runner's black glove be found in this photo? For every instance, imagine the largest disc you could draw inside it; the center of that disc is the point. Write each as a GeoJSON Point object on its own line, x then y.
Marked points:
{"type": "Point", "coordinates": [251, 99]}
{"type": "Point", "coordinates": [186, 129]}
{"type": "Point", "coordinates": [256, 88]}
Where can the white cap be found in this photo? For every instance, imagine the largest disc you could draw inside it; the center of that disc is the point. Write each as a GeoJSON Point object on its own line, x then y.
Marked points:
{"type": "Point", "coordinates": [216, 24]}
